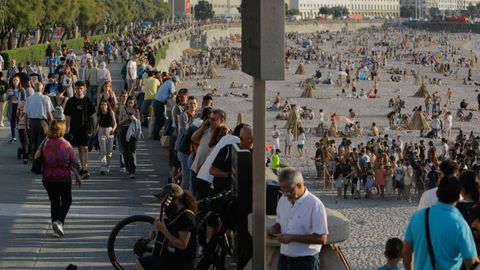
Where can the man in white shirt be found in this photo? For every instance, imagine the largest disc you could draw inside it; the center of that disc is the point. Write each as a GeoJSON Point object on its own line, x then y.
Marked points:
{"type": "Point", "coordinates": [301, 225]}
{"type": "Point", "coordinates": [429, 197]}
{"type": "Point", "coordinates": [131, 73]}
{"type": "Point", "coordinates": [38, 111]}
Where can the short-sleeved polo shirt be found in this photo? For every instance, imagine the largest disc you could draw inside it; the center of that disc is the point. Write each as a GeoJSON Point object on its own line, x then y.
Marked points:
{"type": "Point", "coordinates": [452, 239]}
{"type": "Point", "coordinates": [165, 91]}
{"type": "Point", "coordinates": [306, 216]}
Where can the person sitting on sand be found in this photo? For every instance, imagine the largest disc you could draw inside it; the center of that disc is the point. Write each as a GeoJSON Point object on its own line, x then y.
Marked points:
{"type": "Point", "coordinates": [371, 94]}
{"type": "Point", "coordinates": [233, 85]}
{"type": "Point", "coordinates": [357, 129]}
{"type": "Point", "coordinates": [374, 131]}
{"type": "Point", "coordinates": [215, 93]}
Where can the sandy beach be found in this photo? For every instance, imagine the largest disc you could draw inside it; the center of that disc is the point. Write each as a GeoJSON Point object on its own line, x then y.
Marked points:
{"type": "Point", "coordinates": [372, 221]}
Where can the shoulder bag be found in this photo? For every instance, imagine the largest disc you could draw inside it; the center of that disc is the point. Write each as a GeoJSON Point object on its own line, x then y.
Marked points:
{"type": "Point", "coordinates": [429, 240]}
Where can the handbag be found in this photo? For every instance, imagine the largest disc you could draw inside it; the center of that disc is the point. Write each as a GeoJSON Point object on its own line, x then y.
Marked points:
{"type": "Point", "coordinates": [37, 166]}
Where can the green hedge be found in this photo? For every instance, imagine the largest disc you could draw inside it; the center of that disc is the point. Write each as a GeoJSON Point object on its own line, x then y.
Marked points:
{"type": "Point", "coordinates": [35, 53]}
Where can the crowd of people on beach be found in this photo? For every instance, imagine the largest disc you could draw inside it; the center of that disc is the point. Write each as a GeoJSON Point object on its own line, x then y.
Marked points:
{"type": "Point", "coordinates": [77, 107]}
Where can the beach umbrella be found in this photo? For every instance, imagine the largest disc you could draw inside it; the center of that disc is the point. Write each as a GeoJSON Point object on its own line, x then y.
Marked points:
{"type": "Point", "coordinates": [307, 90]}
{"type": "Point", "coordinates": [418, 121]}
{"type": "Point", "coordinates": [422, 92]}
{"type": "Point", "coordinates": [300, 70]}
{"type": "Point", "coordinates": [240, 118]}
{"type": "Point", "coordinates": [294, 122]}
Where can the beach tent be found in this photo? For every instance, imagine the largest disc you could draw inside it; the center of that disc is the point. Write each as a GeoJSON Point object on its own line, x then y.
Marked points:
{"type": "Point", "coordinates": [300, 69]}
{"type": "Point", "coordinates": [294, 123]}
{"type": "Point", "coordinates": [235, 65]}
{"type": "Point", "coordinates": [307, 90]}
{"type": "Point", "coordinates": [240, 118]}
{"type": "Point", "coordinates": [418, 121]}
{"type": "Point", "coordinates": [422, 92]}
{"type": "Point", "coordinates": [211, 71]}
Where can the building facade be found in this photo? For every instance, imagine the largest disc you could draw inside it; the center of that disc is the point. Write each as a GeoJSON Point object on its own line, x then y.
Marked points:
{"type": "Point", "coordinates": [385, 8]}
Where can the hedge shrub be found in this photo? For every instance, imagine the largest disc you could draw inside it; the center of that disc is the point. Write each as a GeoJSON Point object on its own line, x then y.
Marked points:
{"type": "Point", "coordinates": [34, 53]}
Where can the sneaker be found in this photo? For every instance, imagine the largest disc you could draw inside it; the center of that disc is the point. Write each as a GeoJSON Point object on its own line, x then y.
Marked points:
{"type": "Point", "coordinates": [12, 140]}
{"type": "Point", "coordinates": [56, 235]}
{"type": "Point", "coordinates": [58, 227]}
{"type": "Point", "coordinates": [25, 161]}
{"type": "Point", "coordinates": [132, 176]}
{"type": "Point", "coordinates": [85, 174]}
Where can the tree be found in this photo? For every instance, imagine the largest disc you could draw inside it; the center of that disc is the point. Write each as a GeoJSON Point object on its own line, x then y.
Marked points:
{"type": "Point", "coordinates": [204, 10]}
{"type": "Point", "coordinates": [434, 12]}
{"type": "Point", "coordinates": [325, 11]}
{"type": "Point", "coordinates": [407, 11]}
{"type": "Point", "coordinates": [339, 11]}
{"type": "Point", "coordinates": [292, 12]}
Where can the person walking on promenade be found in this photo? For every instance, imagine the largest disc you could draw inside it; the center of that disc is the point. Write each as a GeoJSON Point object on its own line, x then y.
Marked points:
{"type": "Point", "coordinates": [38, 112]}
{"type": "Point", "coordinates": [3, 91]}
{"type": "Point", "coordinates": [15, 94]}
{"type": "Point", "coordinates": [159, 105]}
{"type": "Point", "coordinates": [105, 129]}
{"type": "Point", "coordinates": [58, 162]}
{"type": "Point", "coordinates": [150, 85]}
{"type": "Point", "coordinates": [128, 114]}
{"type": "Point", "coordinates": [80, 119]}
{"type": "Point", "coordinates": [426, 231]}
{"type": "Point", "coordinates": [301, 241]}
{"type": "Point", "coordinates": [91, 80]}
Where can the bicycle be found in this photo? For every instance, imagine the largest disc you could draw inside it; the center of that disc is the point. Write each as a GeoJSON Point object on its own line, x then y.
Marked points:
{"type": "Point", "coordinates": [131, 238]}
{"type": "Point", "coordinates": [222, 244]}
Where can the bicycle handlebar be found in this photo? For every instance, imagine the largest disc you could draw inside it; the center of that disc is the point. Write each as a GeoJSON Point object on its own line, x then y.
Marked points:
{"type": "Point", "coordinates": [216, 197]}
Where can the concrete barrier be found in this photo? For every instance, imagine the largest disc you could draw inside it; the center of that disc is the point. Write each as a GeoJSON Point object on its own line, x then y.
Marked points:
{"type": "Point", "coordinates": [178, 42]}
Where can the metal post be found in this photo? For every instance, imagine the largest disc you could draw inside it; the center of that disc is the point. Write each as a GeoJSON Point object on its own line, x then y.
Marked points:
{"type": "Point", "coordinates": [259, 89]}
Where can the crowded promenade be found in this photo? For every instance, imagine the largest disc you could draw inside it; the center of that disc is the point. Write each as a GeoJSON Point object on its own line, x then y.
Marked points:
{"type": "Point", "coordinates": [369, 126]}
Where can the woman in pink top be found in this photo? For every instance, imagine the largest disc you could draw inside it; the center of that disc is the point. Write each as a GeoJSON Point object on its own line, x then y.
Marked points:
{"type": "Point", "coordinates": [380, 179]}
{"type": "Point", "coordinates": [58, 162]}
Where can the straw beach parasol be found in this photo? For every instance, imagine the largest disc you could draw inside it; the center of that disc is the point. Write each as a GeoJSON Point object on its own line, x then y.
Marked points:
{"type": "Point", "coordinates": [422, 92]}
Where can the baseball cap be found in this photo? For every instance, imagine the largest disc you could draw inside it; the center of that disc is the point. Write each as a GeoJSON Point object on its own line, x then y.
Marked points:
{"type": "Point", "coordinates": [172, 189]}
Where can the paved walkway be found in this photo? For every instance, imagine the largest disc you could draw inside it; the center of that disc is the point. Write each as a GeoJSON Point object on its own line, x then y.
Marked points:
{"type": "Point", "coordinates": [102, 201]}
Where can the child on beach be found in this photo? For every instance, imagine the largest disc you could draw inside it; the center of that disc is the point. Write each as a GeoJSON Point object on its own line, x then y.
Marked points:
{"type": "Point", "coordinates": [393, 253]}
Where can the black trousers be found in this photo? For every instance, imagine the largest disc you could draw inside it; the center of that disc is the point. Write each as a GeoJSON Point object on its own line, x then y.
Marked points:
{"type": "Point", "coordinates": [129, 149]}
{"type": "Point", "coordinates": [294, 263]}
{"type": "Point", "coordinates": [60, 195]}
{"type": "Point", "coordinates": [22, 135]}
{"type": "Point", "coordinates": [38, 131]}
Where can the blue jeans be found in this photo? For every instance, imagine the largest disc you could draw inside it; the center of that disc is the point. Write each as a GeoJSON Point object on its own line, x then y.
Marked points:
{"type": "Point", "coordinates": [191, 157]}
{"type": "Point", "coordinates": [92, 93]}
{"type": "Point", "coordinates": [160, 112]}
{"type": "Point", "coordinates": [294, 263]}
{"type": "Point", "coordinates": [183, 158]}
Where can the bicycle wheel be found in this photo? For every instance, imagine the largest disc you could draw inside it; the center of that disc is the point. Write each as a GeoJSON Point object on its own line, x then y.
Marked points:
{"type": "Point", "coordinates": [130, 239]}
